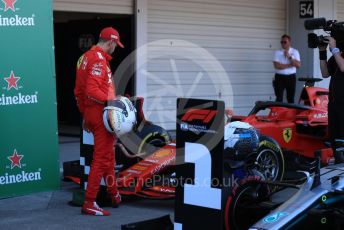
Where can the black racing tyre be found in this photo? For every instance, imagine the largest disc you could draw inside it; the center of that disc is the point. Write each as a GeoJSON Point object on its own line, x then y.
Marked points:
{"type": "Point", "coordinates": [269, 159]}
{"type": "Point", "coordinates": [142, 142]}
{"type": "Point", "coordinates": [241, 206]}
{"type": "Point", "coordinates": [152, 137]}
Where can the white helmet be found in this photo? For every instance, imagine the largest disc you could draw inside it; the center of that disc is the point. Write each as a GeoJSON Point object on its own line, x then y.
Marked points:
{"type": "Point", "coordinates": [119, 116]}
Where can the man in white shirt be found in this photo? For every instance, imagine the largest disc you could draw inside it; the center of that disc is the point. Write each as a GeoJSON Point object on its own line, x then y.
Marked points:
{"type": "Point", "coordinates": [286, 61]}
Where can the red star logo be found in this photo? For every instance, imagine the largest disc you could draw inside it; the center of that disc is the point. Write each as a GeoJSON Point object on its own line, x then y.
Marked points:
{"type": "Point", "coordinates": [12, 81]}
{"type": "Point", "coordinates": [15, 159]}
{"type": "Point", "coordinates": [9, 4]}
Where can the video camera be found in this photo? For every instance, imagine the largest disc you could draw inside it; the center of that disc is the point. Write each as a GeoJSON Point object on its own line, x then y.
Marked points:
{"type": "Point", "coordinates": [332, 27]}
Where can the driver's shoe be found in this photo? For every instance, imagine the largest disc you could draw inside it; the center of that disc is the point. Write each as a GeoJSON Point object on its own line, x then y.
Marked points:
{"type": "Point", "coordinates": [92, 208]}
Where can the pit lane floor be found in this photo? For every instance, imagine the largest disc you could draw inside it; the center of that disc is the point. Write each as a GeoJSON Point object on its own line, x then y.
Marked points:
{"type": "Point", "coordinates": [50, 210]}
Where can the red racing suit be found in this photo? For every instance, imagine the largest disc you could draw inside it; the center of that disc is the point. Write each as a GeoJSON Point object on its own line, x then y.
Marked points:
{"type": "Point", "coordinates": [93, 87]}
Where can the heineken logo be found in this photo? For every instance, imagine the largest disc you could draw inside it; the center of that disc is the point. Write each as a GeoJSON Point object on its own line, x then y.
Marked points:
{"type": "Point", "coordinates": [9, 4]}
{"type": "Point", "coordinates": [15, 20]}
{"type": "Point", "coordinates": [12, 81]}
{"type": "Point", "coordinates": [22, 177]}
{"type": "Point", "coordinates": [19, 98]}
{"type": "Point", "coordinates": [15, 159]}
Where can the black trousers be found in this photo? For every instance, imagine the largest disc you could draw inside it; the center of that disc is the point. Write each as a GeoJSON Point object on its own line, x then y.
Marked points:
{"type": "Point", "coordinates": [336, 120]}
{"type": "Point", "coordinates": [336, 127]}
{"type": "Point", "coordinates": [285, 82]}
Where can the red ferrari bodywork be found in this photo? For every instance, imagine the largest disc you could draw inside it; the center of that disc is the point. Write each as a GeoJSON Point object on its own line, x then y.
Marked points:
{"type": "Point", "coordinates": [146, 179]}
{"type": "Point", "coordinates": [299, 128]}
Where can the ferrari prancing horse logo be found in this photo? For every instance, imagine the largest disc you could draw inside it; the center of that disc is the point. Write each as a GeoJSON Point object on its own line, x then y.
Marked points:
{"type": "Point", "coordinates": [287, 133]}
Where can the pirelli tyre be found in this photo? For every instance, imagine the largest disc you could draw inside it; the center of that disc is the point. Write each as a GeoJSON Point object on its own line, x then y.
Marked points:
{"type": "Point", "coordinates": [269, 160]}
{"type": "Point", "coordinates": [141, 142]}
{"type": "Point", "coordinates": [241, 205]}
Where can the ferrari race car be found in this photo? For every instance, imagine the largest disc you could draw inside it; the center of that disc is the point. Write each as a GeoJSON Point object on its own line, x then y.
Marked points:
{"type": "Point", "coordinates": [146, 156]}
{"type": "Point", "coordinates": [300, 129]}
{"type": "Point", "coordinates": [245, 154]}
{"type": "Point", "coordinates": [316, 204]}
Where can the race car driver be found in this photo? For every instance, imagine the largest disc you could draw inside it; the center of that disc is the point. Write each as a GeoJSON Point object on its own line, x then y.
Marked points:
{"type": "Point", "coordinates": [93, 88]}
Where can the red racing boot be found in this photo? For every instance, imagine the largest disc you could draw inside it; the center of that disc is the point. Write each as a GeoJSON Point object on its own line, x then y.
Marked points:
{"type": "Point", "coordinates": [92, 208]}
{"type": "Point", "coordinates": [116, 199]}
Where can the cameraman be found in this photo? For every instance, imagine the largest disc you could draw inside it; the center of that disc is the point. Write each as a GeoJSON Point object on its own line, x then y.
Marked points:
{"type": "Point", "coordinates": [334, 67]}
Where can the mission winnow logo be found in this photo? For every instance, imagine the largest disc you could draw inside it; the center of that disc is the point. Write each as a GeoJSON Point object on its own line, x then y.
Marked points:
{"type": "Point", "coordinates": [13, 175]}
{"type": "Point", "coordinates": [10, 17]}
{"type": "Point", "coordinates": [13, 96]}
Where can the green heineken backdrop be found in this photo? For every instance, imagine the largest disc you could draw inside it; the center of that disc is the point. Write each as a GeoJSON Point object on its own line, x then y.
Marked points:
{"type": "Point", "coordinates": [28, 122]}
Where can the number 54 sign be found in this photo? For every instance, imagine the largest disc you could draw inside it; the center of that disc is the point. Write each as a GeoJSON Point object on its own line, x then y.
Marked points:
{"type": "Point", "coordinates": [306, 9]}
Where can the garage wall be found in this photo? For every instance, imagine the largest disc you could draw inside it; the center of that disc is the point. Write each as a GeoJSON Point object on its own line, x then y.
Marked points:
{"type": "Point", "coordinates": [101, 6]}
{"type": "Point", "coordinates": [340, 10]}
{"type": "Point", "coordinates": [241, 35]}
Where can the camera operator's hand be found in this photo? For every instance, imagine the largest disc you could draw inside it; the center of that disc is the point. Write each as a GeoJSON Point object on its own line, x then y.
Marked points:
{"type": "Point", "coordinates": [323, 45]}
{"type": "Point", "coordinates": [336, 53]}
{"type": "Point", "coordinates": [332, 42]}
